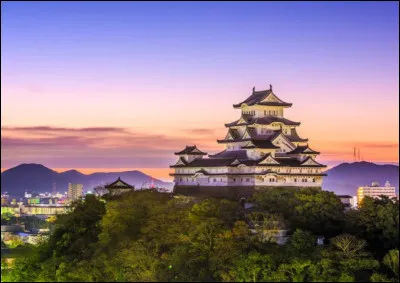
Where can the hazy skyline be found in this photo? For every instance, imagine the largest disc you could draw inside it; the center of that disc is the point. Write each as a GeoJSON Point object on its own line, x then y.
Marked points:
{"type": "Point", "coordinates": [109, 85]}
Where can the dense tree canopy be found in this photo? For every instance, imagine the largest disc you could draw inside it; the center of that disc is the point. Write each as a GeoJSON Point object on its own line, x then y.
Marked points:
{"type": "Point", "coordinates": [153, 236]}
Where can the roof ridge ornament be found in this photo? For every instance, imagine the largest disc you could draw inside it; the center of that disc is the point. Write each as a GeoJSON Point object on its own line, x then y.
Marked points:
{"type": "Point", "coordinates": [270, 87]}
{"type": "Point", "coordinates": [254, 89]}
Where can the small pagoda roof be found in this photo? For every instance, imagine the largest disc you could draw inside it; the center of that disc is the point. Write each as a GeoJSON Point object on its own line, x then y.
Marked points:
{"type": "Point", "coordinates": [257, 97]}
{"type": "Point", "coordinates": [192, 150]}
{"type": "Point", "coordinates": [119, 184]}
{"type": "Point", "coordinates": [305, 149]}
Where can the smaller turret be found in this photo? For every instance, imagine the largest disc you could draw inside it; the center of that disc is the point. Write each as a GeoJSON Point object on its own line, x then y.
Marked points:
{"type": "Point", "coordinates": [190, 153]}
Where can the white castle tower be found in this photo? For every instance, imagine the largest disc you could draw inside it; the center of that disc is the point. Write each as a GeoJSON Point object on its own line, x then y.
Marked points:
{"type": "Point", "coordinates": [263, 149]}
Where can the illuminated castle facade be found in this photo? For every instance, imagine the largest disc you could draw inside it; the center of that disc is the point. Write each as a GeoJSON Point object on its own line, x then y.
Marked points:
{"type": "Point", "coordinates": [263, 149]}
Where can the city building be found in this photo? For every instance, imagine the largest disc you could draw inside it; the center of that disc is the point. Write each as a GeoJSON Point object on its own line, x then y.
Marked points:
{"type": "Point", "coordinates": [37, 209]}
{"type": "Point", "coordinates": [353, 202]}
{"type": "Point", "coordinates": [262, 149]}
{"type": "Point", "coordinates": [375, 191]}
{"type": "Point", "coordinates": [119, 187]}
{"type": "Point", "coordinates": [4, 200]}
{"type": "Point", "coordinates": [74, 191]}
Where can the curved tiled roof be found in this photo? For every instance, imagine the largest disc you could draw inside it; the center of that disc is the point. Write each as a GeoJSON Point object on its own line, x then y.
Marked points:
{"type": "Point", "coordinates": [252, 132]}
{"type": "Point", "coordinates": [114, 185]}
{"type": "Point", "coordinates": [209, 162]}
{"type": "Point", "coordinates": [294, 137]}
{"type": "Point", "coordinates": [301, 148]}
{"type": "Point", "coordinates": [257, 96]}
{"type": "Point", "coordinates": [239, 154]}
{"type": "Point", "coordinates": [190, 150]}
{"type": "Point", "coordinates": [260, 144]}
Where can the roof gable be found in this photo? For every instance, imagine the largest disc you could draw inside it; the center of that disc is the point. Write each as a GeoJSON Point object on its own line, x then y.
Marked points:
{"type": "Point", "coordinates": [280, 138]}
{"type": "Point", "coordinates": [310, 161]}
{"type": "Point", "coordinates": [271, 97]}
{"type": "Point", "coordinates": [246, 134]}
{"type": "Point", "coordinates": [232, 135]}
{"type": "Point", "coordinates": [268, 159]}
{"type": "Point", "coordinates": [235, 162]}
{"type": "Point", "coordinates": [242, 120]}
{"type": "Point", "coordinates": [181, 161]}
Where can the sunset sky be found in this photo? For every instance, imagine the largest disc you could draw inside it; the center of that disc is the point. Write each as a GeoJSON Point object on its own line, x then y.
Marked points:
{"type": "Point", "coordinates": [108, 86]}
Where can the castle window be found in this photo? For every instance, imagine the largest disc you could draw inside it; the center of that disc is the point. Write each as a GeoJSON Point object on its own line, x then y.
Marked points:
{"type": "Point", "coordinates": [234, 180]}
{"type": "Point", "coordinates": [214, 180]}
{"type": "Point", "coordinates": [265, 112]}
{"type": "Point", "coordinates": [247, 179]}
{"type": "Point", "coordinates": [313, 180]}
{"type": "Point", "coordinates": [295, 180]}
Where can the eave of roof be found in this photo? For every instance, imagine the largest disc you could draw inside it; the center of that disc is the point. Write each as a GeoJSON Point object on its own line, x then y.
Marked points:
{"type": "Point", "coordinates": [189, 150]}
{"type": "Point", "coordinates": [257, 97]}
{"type": "Point", "coordinates": [301, 148]}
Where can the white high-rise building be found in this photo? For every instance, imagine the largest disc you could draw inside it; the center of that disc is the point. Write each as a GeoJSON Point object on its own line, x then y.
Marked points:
{"type": "Point", "coordinates": [262, 149]}
{"type": "Point", "coordinates": [74, 191]}
{"type": "Point", "coordinates": [375, 191]}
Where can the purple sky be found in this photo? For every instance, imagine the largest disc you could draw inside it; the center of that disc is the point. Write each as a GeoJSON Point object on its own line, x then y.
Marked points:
{"type": "Point", "coordinates": [126, 84]}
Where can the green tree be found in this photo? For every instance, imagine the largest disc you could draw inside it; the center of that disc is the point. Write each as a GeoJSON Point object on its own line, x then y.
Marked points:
{"type": "Point", "coordinates": [302, 243]}
{"type": "Point", "coordinates": [253, 267]}
{"type": "Point", "coordinates": [391, 260]}
{"type": "Point", "coordinates": [267, 226]}
{"type": "Point", "coordinates": [8, 218]}
{"type": "Point", "coordinates": [378, 277]}
{"type": "Point", "coordinates": [296, 271]}
{"type": "Point", "coordinates": [14, 241]}
{"type": "Point", "coordinates": [312, 209]}
{"type": "Point", "coordinates": [349, 246]}
{"type": "Point", "coordinates": [376, 221]}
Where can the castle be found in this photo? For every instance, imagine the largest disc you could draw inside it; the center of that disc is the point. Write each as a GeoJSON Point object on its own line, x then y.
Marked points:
{"type": "Point", "coordinates": [263, 149]}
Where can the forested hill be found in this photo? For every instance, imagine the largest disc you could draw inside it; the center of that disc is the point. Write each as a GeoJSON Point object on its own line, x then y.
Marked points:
{"type": "Point", "coordinates": [147, 236]}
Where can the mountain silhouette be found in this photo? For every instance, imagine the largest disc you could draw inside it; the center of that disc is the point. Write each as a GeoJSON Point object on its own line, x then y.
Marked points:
{"type": "Point", "coordinates": [38, 178]}
{"type": "Point", "coordinates": [342, 179]}
{"type": "Point", "coordinates": [347, 177]}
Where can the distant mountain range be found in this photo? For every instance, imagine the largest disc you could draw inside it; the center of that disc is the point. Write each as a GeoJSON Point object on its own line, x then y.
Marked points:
{"type": "Point", "coordinates": [38, 178]}
{"type": "Point", "coordinates": [342, 179]}
{"type": "Point", "coordinates": [347, 177]}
